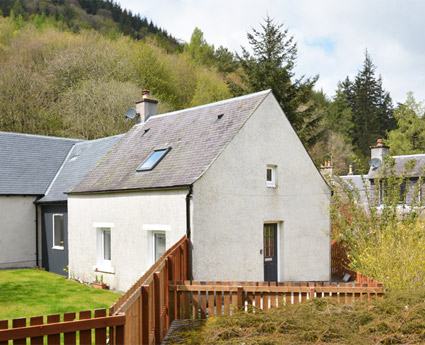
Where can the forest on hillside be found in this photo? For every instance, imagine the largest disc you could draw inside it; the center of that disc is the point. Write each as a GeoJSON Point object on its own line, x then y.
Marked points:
{"type": "Point", "coordinates": [72, 67]}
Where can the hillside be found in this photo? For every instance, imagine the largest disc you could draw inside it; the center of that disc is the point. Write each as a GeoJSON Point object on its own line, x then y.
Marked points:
{"type": "Point", "coordinates": [105, 16]}
{"type": "Point", "coordinates": [56, 81]}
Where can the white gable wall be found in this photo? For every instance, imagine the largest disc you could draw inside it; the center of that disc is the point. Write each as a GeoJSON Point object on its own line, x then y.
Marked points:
{"type": "Point", "coordinates": [132, 217]}
{"type": "Point", "coordinates": [231, 203]}
{"type": "Point", "coordinates": [17, 231]}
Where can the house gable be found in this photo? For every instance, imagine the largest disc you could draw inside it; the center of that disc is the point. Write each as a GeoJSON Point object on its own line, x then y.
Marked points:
{"type": "Point", "coordinates": [232, 202]}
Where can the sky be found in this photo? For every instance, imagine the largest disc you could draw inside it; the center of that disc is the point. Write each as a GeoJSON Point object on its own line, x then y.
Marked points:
{"type": "Point", "coordinates": [331, 35]}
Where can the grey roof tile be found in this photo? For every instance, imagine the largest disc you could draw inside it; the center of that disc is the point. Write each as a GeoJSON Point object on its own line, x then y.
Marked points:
{"type": "Point", "coordinates": [81, 159]}
{"type": "Point", "coordinates": [28, 163]}
{"type": "Point", "coordinates": [195, 136]}
{"type": "Point", "coordinates": [399, 167]}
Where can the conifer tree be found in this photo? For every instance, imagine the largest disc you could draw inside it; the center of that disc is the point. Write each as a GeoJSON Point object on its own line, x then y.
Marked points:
{"type": "Point", "coordinates": [271, 66]}
{"type": "Point", "coordinates": [371, 107]}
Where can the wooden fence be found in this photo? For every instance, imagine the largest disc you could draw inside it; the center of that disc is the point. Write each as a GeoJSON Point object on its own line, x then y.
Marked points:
{"type": "Point", "coordinates": [340, 261]}
{"type": "Point", "coordinates": [146, 304]}
{"type": "Point", "coordinates": [54, 329]}
{"type": "Point", "coordinates": [193, 300]}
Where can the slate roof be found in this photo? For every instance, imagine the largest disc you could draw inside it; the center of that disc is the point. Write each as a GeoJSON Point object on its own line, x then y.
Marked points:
{"type": "Point", "coordinates": [196, 137]}
{"type": "Point", "coordinates": [29, 162]}
{"type": "Point", "coordinates": [399, 168]}
{"type": "Point", "coordinates": [357, 183]}
{"type": "Point", "coordinates": [80, 160]}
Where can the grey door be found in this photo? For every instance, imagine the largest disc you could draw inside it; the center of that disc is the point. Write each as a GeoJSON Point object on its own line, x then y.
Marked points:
{"type": "Point", "coordinates": [55, 238]}
{"type": "Point", "coordinates": [270, 252]}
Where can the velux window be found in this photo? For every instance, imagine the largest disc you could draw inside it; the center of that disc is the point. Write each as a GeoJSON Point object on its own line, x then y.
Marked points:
{"type": "Point", "coordinates": [153, 160]}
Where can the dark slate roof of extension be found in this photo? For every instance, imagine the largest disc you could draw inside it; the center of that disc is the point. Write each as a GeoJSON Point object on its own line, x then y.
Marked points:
{"type": "Point", "coordinates": [80, 160]}
{"type": "Point", "coordinates": [196, 137]}
{"type": "Point", "coordinates": [400, 163]}
{"type": "Point", "coordinates": [29, 162]}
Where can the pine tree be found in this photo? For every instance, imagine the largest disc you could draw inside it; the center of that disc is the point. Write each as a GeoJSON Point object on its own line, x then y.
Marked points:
{"type": "Point", "coordinates": [271, 67]}
{"type": "Point", "coordinates": [371, 107]}
{"type": "Point", "coordinates": [409, 137]}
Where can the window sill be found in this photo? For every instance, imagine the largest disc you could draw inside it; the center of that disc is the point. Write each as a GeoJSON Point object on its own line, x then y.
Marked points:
{"type": "Point", "coordinates": [104, 269]}
{"type": "Point", "coordinates": [271, 186]}
{"type": "Point", "coordinates": [58, 248]}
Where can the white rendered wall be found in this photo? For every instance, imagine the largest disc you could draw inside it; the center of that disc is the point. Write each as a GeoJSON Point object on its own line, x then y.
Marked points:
{"type": "Point", "coordinates": [231, 203]}
{"type": "Point", "coordinates": [17, 231]}
{"type": "Point", "coordinates": [131, 215]}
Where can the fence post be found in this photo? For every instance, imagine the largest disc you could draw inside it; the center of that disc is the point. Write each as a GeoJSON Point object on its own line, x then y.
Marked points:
{"type": "Point", "coordinates": [119, 333]}
{"type": "Point", "coordinates": [240, 302]}
{"type": "Point", "coordinates": [145, 313]}
{"type": "Point", "coordinates": [157, 306]}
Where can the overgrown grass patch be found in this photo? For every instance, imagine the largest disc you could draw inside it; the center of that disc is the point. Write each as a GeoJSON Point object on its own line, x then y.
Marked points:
{"type": "Point", "coordinates": [27, 292]}
{"type": "Point", "coordinates": [398, 318]}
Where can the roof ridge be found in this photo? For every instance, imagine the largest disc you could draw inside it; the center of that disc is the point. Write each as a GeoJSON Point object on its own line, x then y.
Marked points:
{"type": "Point", "coordinates": [98, 139]}
{"type": "Point", "coordinates": [224, 101]}
{"type": "Point", "coordinates": [41, 136]}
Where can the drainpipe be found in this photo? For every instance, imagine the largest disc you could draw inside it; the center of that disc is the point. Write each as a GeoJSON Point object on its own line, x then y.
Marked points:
{"type": "Point", "coordinates": [36, 232]}
{"type": "Point", "coordinates": [188, 196]}
{"type": "Point", "coordinates": [188, 229]}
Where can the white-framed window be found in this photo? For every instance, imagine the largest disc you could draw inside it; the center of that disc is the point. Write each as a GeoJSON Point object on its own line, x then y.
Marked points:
{"type": "Point", "coordinates": [104, 250]}
{"type": "Point", "coordinates": [156, 240]}
{"type": "Point", "coordinates": [58, 231]}
{"type": "Point", "coordinates": [271, 176]}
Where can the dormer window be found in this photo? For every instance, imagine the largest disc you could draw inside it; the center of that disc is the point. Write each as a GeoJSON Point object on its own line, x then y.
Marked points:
{"type": "Point", "coordinates": [152, 161]}
{"type": "Point", "coordinates": [271, 176]}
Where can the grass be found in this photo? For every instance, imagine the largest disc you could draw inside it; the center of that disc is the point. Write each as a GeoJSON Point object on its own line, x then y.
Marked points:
{"type": "Point", "coordinates": [398, 318]}
{"type": "Point", "coordinates": [27, 292]}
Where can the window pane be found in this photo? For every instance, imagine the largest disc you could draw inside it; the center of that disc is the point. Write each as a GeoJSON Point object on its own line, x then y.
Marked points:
{"type": "Point", "coordinates": [58, 229]}
{"type": "Point", "coordinates": [107, 245]}
{"type": "Point", "coordinates": [269, 174]}
{"type": "Point", "coordinates": [153, 159]}
{"type": "Point", "coordinates": [159, 245]}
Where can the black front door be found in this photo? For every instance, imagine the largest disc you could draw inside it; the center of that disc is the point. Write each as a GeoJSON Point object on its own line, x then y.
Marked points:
{"type": "Point", "coordinates": [270, 252]}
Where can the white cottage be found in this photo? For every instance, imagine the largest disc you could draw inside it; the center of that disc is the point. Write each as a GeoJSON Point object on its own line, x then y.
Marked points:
{"type": "Point", "coordinates": [232, 175]}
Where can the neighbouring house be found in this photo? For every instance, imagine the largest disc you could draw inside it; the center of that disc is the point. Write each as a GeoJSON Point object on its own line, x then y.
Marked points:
{"type": "Point", "coordinates": [82, 157]}
{"type": "Point", "coordinates": [35, 172]}
{"type": "Point", "coordinates": [232, 175]}
{"type": "Point", "coordinates": [28, 164]}
{"type": "Point", "coordinates": [372, 187]}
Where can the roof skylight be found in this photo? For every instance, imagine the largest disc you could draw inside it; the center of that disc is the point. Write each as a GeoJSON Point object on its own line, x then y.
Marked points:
{"type": "Point", "coordinates": [153, 160]}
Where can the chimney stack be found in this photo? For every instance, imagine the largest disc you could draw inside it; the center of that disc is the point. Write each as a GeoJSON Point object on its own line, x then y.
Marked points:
{"type": "Point", "coordinates": [146, 108]}
{"type": "Point", "coordinates": [326, 169]}
{"type": "Point", "coordinates": [379, 151]}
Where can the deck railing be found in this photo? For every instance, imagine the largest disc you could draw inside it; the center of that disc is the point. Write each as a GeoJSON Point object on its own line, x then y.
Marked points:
{"type": "Point", "coordinates": [194, 300]}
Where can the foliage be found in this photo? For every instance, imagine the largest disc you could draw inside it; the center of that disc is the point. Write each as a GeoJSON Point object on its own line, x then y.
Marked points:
{"type": "Point", "coordinates": [271, 66]}
{"type": "Point", "coordinates": [371, 107]}
{"type": "Point", "coordinates": [395, 319]}
{"type": "Point", "coordinates": [28, 292]}
{"type": "Point", "coordinates": [56, 82]}
{"type": "Point", "coordinates": [380, 224]}
{"type": "Point", "coordinates": [409, 137]}
{"type": "Point", "coordinates": [105, 16]}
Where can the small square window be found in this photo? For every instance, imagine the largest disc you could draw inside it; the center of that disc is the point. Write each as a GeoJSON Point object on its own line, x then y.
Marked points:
{"type": "Point", "coordinates": [58, 231]}
{"type": "Point", "coordinates": [271, 176]}
{"type": "Point", "coordinates": [154, 158]}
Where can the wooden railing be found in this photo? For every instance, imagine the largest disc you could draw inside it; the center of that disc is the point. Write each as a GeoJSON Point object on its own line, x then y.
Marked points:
{"type": "Point", "coordinates": [146, 304]}
{"type": "Point", "coordinates": [54, 327]}
{"type": "Point", "coordinates": [205, 299]}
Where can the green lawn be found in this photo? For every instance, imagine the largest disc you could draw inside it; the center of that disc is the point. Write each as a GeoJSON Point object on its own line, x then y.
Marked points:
{"type": "Point", "coordinates": [27, 292]}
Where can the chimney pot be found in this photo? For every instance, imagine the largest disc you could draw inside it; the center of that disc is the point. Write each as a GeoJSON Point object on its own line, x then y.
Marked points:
{"type": "Point", "coordinates": [379, 143]}
{"type": "Point", "coordinates": [350, 170]}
